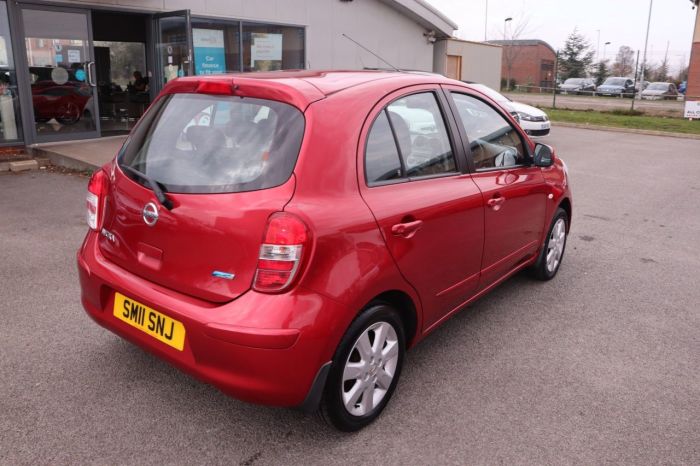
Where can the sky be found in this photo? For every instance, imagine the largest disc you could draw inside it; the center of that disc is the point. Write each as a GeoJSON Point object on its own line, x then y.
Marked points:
{"type": "Point", "coordinates": [620, 22]}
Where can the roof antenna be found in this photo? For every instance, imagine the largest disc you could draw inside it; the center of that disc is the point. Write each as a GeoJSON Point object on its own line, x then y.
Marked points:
{"type": "Point", "coordinates": [365, 48]}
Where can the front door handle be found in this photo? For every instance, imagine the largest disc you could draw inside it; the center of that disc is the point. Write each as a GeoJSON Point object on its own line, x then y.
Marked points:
{"type": "Point", "coordinates": [406, 230]}
{"type": "Point", "coordinates": [496, 202]}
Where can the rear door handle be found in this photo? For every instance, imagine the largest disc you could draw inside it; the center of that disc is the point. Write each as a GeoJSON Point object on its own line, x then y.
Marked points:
{"type": "Point", "coordinates": [496, 202]}
{"type": "Point", "coordinates": [406, 230]}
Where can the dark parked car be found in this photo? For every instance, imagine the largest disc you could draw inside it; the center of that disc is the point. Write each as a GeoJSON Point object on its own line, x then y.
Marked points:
{"type": "Point", "coordinates": [287, 236]}
{"type": "Point", "coordinates": [617, 87]}
{"type": "Point", "coordinates": [578, 86]}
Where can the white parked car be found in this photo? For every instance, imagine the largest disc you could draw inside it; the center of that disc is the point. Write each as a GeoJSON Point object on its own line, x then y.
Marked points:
{"type": "Point", "coordinates": [534, 121]}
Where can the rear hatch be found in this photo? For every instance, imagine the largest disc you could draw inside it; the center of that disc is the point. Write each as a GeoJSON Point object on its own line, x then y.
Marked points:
{"type": "Point", "coordinates": [224, 164]}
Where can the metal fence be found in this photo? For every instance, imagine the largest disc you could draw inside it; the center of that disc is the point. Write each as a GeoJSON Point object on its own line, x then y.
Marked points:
{"type": "Point", "coordinates": [594, 100]}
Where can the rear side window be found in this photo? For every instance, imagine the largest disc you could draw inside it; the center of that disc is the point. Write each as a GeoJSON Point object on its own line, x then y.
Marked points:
{"type": "Point", "coordinates": [382, 161]}
{"type": "Point", "coordinates": [197, 143]}
{"type": "Point", "coordinates": [408, 140]}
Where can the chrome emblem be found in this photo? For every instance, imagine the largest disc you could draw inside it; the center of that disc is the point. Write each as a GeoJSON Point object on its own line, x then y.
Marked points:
{"type": "Point", "coordinates": [150, 214]}
{"type": "Point", "coordinates": [108, 234]}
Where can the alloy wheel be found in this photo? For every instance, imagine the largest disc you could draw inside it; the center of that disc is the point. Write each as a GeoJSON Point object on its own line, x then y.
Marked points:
{"type": "Point", "coordinates": [555, 245]}
{"type": "Point", "coordinates": [370, 369]}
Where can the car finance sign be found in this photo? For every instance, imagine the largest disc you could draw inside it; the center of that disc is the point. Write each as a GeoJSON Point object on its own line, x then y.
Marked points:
{"type": "Point", "coordinates": [209, 51]}
{"type": "Point", "coordinates": [692, 109]}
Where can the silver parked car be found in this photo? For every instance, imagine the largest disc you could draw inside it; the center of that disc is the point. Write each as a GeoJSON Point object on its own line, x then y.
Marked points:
{"type": "Point", "coordinates": [660, 91]}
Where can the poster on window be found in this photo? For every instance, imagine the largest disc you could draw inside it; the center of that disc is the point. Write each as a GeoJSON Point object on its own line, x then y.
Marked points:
{"type": "Point", "coordinates": [4, 61]}
{"type": "Point", "coordinates": [265, 48]}
{"type": "Point", "coordinates": [209, 51]}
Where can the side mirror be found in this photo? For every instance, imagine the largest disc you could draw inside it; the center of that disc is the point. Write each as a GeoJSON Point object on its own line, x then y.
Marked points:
{"type": "Point", "coordinates": [544, 156]}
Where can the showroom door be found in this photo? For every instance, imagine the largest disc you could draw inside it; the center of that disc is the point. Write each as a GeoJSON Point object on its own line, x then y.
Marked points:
{"type": "Point", "coordinates": [61, 71]}
{"type": "Point", "coordinates": [173, 32]}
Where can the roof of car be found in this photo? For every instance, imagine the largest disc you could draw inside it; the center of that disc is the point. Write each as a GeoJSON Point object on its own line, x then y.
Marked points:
{"type": "Point", "coordinates": [302, 87]}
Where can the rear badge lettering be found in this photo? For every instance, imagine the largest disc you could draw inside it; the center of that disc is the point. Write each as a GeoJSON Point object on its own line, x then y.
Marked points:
{"type": "Point", "coordinates": [224, 275]}
{"type": "Point", "coordinates": [109, 235]}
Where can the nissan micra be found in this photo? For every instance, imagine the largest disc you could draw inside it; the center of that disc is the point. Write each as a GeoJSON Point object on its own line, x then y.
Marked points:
{"type": "Point", "coordinates": [287, 236]}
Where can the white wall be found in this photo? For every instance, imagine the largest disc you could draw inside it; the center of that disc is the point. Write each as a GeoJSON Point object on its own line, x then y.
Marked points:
{"type": "Point", "coordinates": [481, 63]}
{"type": "Point", "coordinates": [387, 32]}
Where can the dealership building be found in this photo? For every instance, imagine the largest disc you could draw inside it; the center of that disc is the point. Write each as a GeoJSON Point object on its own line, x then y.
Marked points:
{"type": "Point", "coordinates": [86, 69]}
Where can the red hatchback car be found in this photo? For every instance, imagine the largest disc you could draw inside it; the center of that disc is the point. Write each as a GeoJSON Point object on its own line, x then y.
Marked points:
{"type": "Point", "coordinates": [287, 236]}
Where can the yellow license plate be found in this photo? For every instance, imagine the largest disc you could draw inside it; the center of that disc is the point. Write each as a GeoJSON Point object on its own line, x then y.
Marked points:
{"type": "Point", "coordinates": [159, 326]}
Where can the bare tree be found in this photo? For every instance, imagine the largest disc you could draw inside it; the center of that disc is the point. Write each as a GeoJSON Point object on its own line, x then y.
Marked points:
{"type": "Point", "coordinates": [512, 51]}
{"type": "Point", "coordinates": [662, 72]}
{"type": "Point", "coordinates": [624, 62]}
{"type": "Point", "coordinates": [682, 70]}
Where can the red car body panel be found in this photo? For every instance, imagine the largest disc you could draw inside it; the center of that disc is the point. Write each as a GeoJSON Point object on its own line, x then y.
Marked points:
{"type": "Point", "coordinates": [226, 238]}
{"type": "Point", "coordinates": [269, 348]}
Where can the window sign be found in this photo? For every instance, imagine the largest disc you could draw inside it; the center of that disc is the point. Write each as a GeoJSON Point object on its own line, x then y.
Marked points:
{"type": "Point", "coordinates": [266, 47]}
{"type": "Point", "coordinates": [4, 58]}
{"type": "Point", "coordinates": [209, 51]}
{"type": "Point", "coordinates": [692, 109]}
{"type": "Point", "coordinates": [73, 56]}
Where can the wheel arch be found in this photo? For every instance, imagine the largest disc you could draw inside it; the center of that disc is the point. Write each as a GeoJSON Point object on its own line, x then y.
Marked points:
{"type": "Point", "coordinates": [566, 205]}
{"type": "Point", "coordinates": [406, 308]}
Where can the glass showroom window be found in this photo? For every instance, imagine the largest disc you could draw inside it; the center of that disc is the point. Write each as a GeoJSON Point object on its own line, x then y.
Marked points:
{"type": "Point", "coordinates": [269, 47]}
{"type": "Point", "coordinates": [216, 46]}
{"type": "Point", "coordinates": [10, 128]}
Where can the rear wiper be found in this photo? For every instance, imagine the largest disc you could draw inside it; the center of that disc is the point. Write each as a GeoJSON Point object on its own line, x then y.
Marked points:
{"type": "Point", "coordinates": [160, 195]}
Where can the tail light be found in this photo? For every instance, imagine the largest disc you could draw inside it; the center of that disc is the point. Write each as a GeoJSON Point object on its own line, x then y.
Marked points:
{"type": "Point", "coordinates": [286, 238]}
{"type": "Point", "coordinates": [97, 187]}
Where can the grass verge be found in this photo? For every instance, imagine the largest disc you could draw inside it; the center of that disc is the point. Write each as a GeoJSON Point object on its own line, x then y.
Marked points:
{"type": "Point", "coordinates": [621, 119]}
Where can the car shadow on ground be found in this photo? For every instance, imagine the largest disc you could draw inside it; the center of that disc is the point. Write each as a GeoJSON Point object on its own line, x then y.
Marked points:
{"type": "Point", "coordinates": [181, 398]}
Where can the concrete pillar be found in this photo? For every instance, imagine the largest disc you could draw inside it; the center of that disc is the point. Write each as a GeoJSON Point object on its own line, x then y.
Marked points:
{"type": "Point", "coordinates": [693, 91]}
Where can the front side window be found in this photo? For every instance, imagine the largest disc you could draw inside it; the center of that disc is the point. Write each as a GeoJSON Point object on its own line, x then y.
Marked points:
{"type": "Point", "coordinates": [409, 139]}
{"type": "Point", "coordinates": [196, 143]}
{"type": "Point", "coordinates": [493, 142]}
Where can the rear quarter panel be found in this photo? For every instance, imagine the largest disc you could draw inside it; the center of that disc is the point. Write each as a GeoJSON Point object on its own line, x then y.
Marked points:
{"type": "Point", "coordinates": [349, 262]}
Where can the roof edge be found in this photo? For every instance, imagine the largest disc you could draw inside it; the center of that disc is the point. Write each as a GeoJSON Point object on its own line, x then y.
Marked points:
{"type": "Point", "coordinates": [425, 14]}
{"type": "Point", "coordinates": [476, 42]}
{"type": "Point", "coordinates": [523, 42]}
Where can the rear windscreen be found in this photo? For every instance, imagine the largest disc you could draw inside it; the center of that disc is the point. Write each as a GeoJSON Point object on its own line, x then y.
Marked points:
{"type": "Point", "coordinates": [197, 143]}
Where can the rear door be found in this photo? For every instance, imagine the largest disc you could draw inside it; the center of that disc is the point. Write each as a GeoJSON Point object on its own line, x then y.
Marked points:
{"type": "Point", "coordinates": [430, 212]}
{"type": "Point", "coordinates": [225, 163]}
{"type": "Point", "coordinates": [513, 189]}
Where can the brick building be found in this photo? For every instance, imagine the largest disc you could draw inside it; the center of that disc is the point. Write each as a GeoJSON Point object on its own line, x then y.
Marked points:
{"type": "Point", "coordinates": [527, 62]}
{"type": "Point", "coordinates": [693, 91]}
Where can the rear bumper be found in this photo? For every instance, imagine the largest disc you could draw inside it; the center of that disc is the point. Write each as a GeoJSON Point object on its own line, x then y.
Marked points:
{"type": "Point", "coordinates": [265, 349]}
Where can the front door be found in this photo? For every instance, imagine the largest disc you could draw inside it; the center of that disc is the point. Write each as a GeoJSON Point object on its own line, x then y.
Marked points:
{"type": "Point", "coordinates": [428, 208]}
{"type": "Point", "coordinates": [173, 46]}
{"type": "Point", "coordinates": [513, 189]}
{"type": "Point", "coordinates": [61, 71]}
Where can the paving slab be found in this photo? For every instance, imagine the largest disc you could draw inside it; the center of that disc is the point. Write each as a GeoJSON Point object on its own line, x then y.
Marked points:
{"type": "Point", "coordinates": [85, 155]}
{"type": "Point", "coordinates": [23, 165]}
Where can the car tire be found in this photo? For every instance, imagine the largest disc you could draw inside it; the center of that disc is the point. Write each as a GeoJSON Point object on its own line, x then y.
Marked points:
{"type": "Point", "coordinates": [70, 114]}
{"type": "Point", "coordinates": [359, 370]}
{"type": "Point", "coordinates": [546, 266]}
